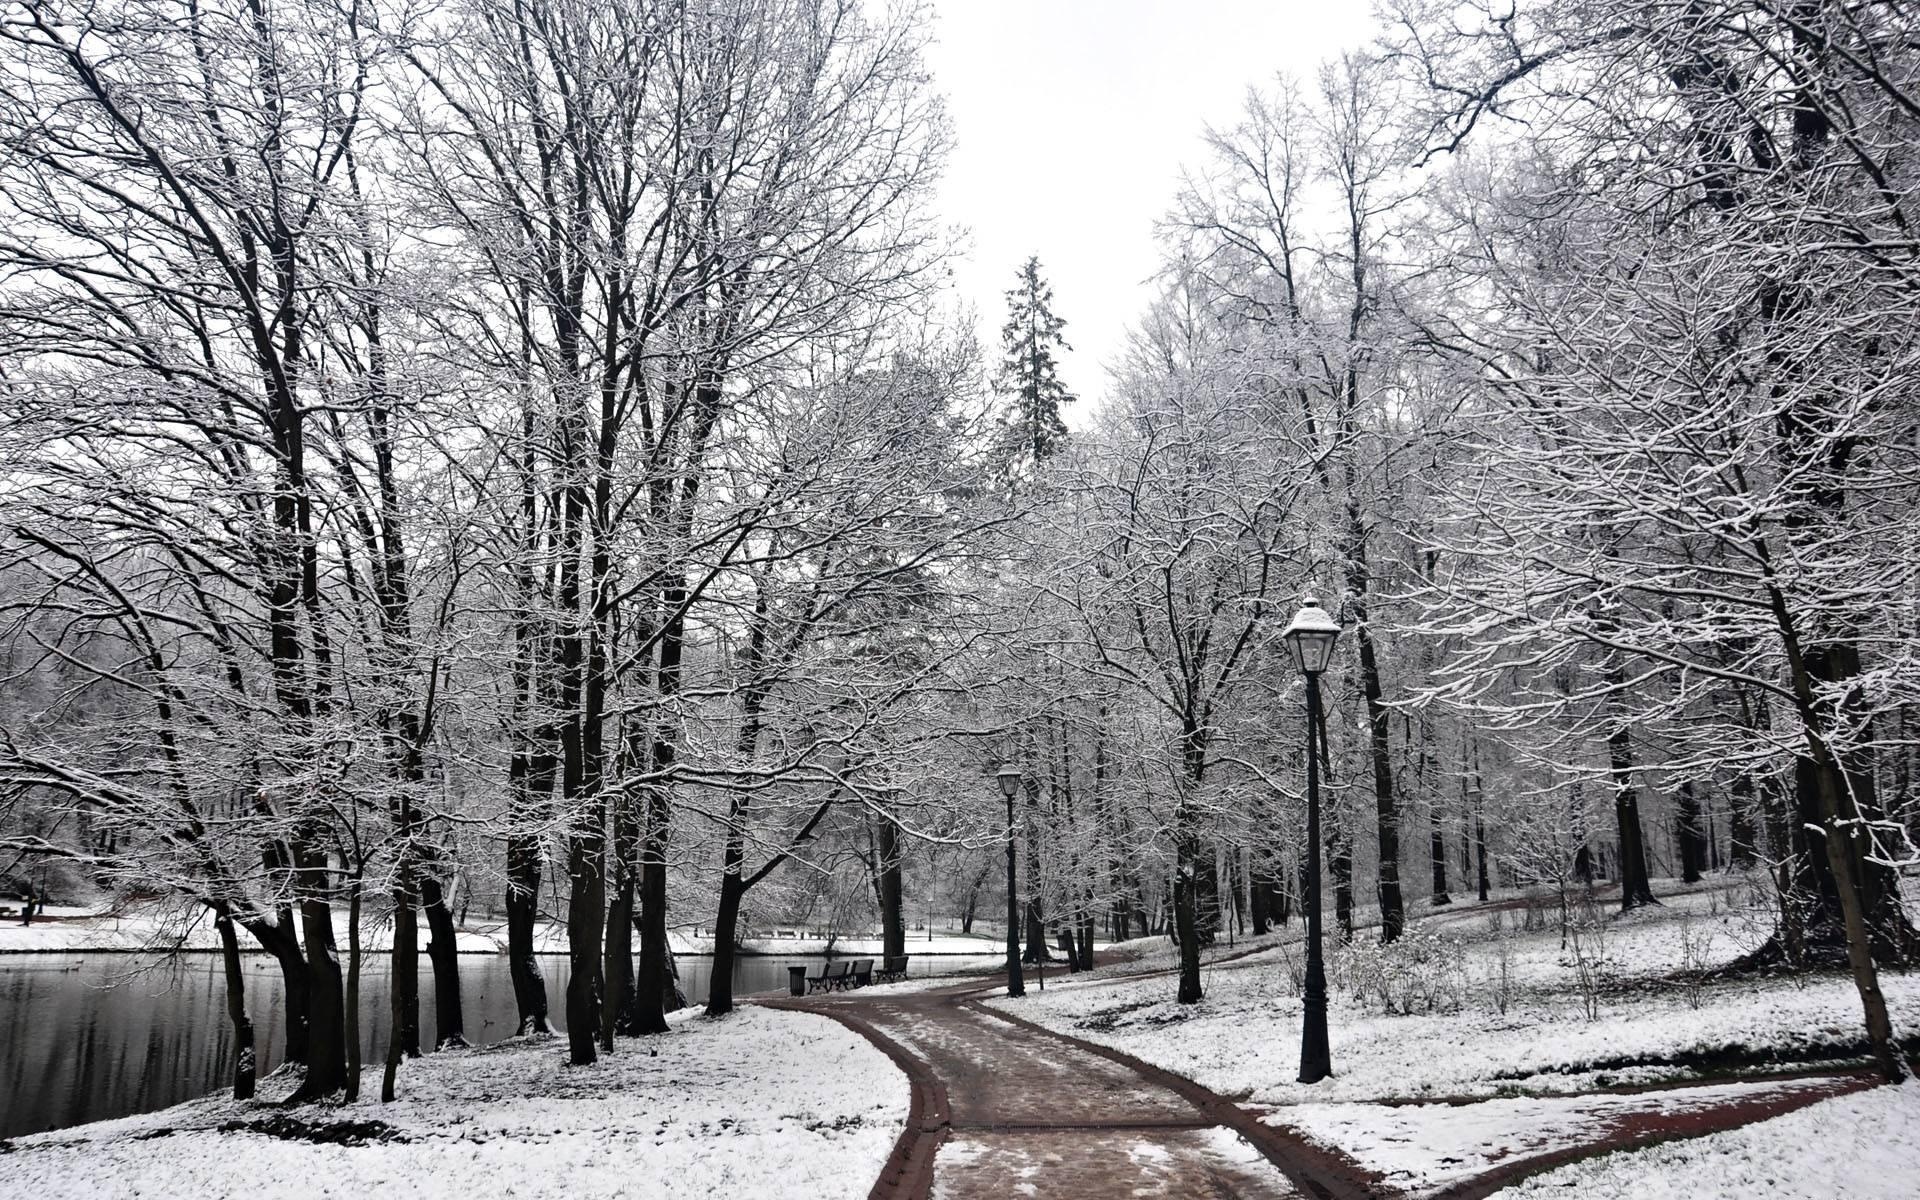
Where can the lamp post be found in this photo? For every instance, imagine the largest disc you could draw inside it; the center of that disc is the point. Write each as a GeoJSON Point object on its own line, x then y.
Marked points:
{"type": "Point", "coordinates": [1310, 638]}
{"type": "Point", "coordinates": [1009, 780]}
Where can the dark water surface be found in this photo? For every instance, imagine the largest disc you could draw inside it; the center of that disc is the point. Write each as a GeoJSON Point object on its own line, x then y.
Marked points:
{"type": "Point", "coordinates": [84, 1037]}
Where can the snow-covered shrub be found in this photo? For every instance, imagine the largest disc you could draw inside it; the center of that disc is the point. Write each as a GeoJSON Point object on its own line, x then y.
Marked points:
{"type": "Point", "coordinates": [1422, 972]}
{"type": "Point", "coordinates": [1500, 975]}
{"type": "Point", "coordinates": [1585, 951]}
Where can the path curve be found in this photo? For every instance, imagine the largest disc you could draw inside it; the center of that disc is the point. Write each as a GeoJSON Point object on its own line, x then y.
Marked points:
{"type": "Point", "coordinates": [1003, 1107]}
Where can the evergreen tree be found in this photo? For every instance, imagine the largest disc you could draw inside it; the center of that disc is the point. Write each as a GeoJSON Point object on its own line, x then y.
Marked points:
{"type": "Point", "coordinates": [1029, 372]}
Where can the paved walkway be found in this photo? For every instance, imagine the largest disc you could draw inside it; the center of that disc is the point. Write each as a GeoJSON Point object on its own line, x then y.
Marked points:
{"type": "Point", "coordinates": [1003, 1108]}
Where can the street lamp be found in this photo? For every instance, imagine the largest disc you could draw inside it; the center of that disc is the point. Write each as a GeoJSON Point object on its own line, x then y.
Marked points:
{"type": "Point", "coordinates": [1009, 780]}
{"type": "Point", "coordinates": [1310, 638]}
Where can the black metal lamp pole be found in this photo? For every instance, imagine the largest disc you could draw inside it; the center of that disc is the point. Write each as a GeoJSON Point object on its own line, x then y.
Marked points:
{"type": "Point", "coordinates": [1009, 780]}
{"type": "Point", "coordinates": [1316, 1061]}
{"type": "Point", "coordinates": [1310, 639]}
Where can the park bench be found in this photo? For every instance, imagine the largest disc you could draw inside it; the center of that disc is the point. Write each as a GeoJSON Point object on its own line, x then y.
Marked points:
{"type": "Point", "coordinates": [832, 977]}
{"type": "Point", "coordinates": [861, 975]}
{"type": "Point", "coordinates": [892, 970]}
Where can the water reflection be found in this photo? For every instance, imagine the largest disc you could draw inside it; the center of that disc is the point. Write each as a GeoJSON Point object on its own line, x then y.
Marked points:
{"type": "Point", "coordinates": [103, 1035]}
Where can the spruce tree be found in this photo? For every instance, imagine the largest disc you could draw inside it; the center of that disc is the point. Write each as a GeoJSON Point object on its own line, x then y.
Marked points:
{"type": "Point", "coordinates": [1029, 372]}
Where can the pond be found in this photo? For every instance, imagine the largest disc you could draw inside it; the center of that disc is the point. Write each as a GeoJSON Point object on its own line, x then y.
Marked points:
{"type": "Point", "coordinates": [93, 1036]}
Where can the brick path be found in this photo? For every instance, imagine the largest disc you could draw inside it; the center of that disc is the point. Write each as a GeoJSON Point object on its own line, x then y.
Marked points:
{"type": "Point", "coordinates": [1004, 1108]}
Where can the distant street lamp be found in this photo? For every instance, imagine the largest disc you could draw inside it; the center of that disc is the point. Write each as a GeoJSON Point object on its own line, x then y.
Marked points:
{"type": "Point", "coordinates": [1009, 779]}
{"type": "Point", "coordinates": [1310, 638]}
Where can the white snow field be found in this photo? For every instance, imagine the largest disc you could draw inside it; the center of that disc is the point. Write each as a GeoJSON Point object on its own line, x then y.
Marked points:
{"type": "Point", "coordinates": [759, 1102]}
{"type": "Point", "coordinates": [1857, 1147]}
{"type": "Point", "coordinates": [1517, 1034]}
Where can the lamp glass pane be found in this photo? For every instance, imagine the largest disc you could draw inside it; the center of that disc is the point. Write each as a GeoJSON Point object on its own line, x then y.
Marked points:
{"type": "Point", "coordinates": [1315, 650]}
{"type": "Point", "coordinates": [1294, 649]}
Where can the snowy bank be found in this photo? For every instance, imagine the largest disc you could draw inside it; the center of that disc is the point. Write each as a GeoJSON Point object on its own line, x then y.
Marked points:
{"type": "Point", "coordinates": [1517, 1021]}
{"type": "Point", "coordinates": [760, 1102]}
{"type": "Point", "coordinates": [1860, 1146]}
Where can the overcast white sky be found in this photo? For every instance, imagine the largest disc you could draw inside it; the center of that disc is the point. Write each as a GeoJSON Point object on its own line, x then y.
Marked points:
{"type": "Point", "coordinates": [1073, 119]}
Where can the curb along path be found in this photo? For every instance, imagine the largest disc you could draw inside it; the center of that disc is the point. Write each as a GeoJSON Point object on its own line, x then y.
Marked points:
{"type": "Point", "coordinates": [1003, 1107]}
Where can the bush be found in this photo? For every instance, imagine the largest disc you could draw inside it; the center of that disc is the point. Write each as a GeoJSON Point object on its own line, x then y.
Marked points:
{"type": "Point", "coordinates": [1422, 972]}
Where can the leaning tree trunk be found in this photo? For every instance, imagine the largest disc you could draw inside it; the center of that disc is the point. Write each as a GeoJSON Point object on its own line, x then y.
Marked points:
{"type": "Point", "coordinates": [278, 939]}
{"type": "Point", "coordinates": [245, 1063]}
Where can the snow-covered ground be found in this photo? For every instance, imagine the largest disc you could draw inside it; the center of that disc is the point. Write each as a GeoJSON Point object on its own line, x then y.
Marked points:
{"type": "Point", "coordinates": [758, 1103]}
{"type": "Point", "coordinates": [1420, 1148]}
{"type": "Point", "coordinates": [1516, 1021]}
{"type": "Point", "coordinates": [1861, 1147]}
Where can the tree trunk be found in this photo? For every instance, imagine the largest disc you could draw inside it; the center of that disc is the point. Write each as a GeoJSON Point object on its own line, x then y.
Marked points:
{"type": "Point", "coordinates": [1186, 933]}
{"type": "Point", "coordinates": [245, 1063]}
{"type": "Point", "coordinates": [443, 951]}
{"type": "Point", "coordinates": [352, 1022]}
{"type": "Point", "coordinates": [1741, 851]}
{"type": "Point", "coordinates": [586, 908]}
{"type": "Point", "coordinates": [278, 939]}
{"type": "Point", "coordinates": [1634, 888]}
{"type": "Point", "coordinates": [1340, 866]}
{"type": "Point", "coordinates": [1257, 902]}
{"type": "Point", "coordinates": [893, 935]}
{"type": "Point", "coordinates": [726, 925]}
{"type": "Point", "coordinates": [617, 1010]}
{"type": "Point", "coordinates": [1693, 841]}
{"type": "Point", "coordinates": [326, 1032]}
{"type": "Point", "coordinates": [1386, 807]}
{"type": "Point", "coordinates": [523, 902]}
{"type": "Point", "coordinates": [1035, 948]}
{"type": "Point", "coordinates": [650, 1003]}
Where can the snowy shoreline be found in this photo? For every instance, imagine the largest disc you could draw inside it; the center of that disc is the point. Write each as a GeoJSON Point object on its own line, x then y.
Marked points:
{"type": "Point", "coordinates": [737, 1105]}
{"type": "Point", "coordinates": [155, 931]}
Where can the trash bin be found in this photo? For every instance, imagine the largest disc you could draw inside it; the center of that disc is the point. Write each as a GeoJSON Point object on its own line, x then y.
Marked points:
{"type": "Point", "coordinates": [797, 981]}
